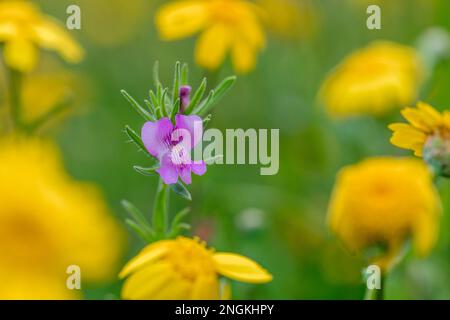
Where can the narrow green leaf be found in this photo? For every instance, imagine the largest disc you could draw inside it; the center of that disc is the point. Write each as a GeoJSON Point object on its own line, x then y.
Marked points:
{"type": "Point", "coordinates": [150, 171]}
{"type": "Point", "coordinates": [184, 74]}
{"type": "Point", "coordinates": [140, 232]}
{"type": "Point", "coordinates": [198, 95]}
{"type": "Point", "coordinates": [181, 190]}
{"type": "Point", "coordinates": [177, 221]}
{"type": "Point", "coordinates": [155, 102]}
{"type": "Point", "coordinates": [176, 82]}
{"type": "Point", "coordinates": [137, 215]}
{"type": "Point", "coordinates": [135, 138]}
{"type": "Point", "coordinates": [150, 107]}
{"type": "Point", "coordinates": [162, 102]}
{"type": "Point", "coordinates": [215, 95]}
{"type": "Point", "coordinates": [136, 106]}
{"type": "Point", "coordinates": [205, 105]}
{"type": "Point", "coordinates": [175, 109]}
{"type": "Point", "coordinates": [223, 87]}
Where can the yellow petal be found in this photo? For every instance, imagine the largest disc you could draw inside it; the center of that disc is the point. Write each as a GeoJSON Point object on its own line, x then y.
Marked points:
{"type": "Point", "coordinates": [149, 254]}
{"type": "Point", "coordinates": [244, 56]}
{"type": "Point", "coordinates": [425, 233]}
{"type": "Point", "coordinates": [50, 35]}
{"type": "Point", "coordinates": [419, 119]}
{"type": "Point", "coordinates": [179, 289]}
{"type": "Point", "coordinates": [181, 19]}
{"type": "Point", "coordinates": [429, 111]}
{"type": "Point", "coordinates": [252, 33]}
{"type": "Point", "coordinates": [20, 54]}
{"type": "Point", "coordinates": [147, 282]}
{"type": "Point", "coordinates": [8, 30]}
{"type": "Point", "coordinates": [240, 268]}
{"type": "Point", "coordinates": [409, 139]}
{"type": "Point", "coordinates": [446, 119]}
{"type": "Point", "coordinates": [205, 288]}
{"type": "Point", "coordinates": [212, 46]}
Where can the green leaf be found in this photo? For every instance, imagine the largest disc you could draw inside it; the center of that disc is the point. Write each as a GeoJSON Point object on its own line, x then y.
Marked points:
{"type": "Point", "coordinates": [176, 82]}
{"type": "Point", "coordinates": [140, 232]}
{"type": "Point", "coordinates": [137, 215]}
{"type": "Point", "coordinates": [155, 102]}
{"type": "Point", "coordinates": [149, 171]}
{"type": "Point", "coordinates": [135, 138]}
{"type": "Point", "coordinates": [184, 74]}
{"type": "Point", "coordinates": [151, 109]}
{"type": "Point", "coordinates": [198, 95]}
{"type": "Point", "coordinates": [180, 189]}
{"type": "Point", "coordinates": [177, 223]}
{"type": "Point", "coordinates": [137, 106]}
{"type": "Point", "coordinates": [162, 102]}
{"type": "Point", "coordinates": [215, 95]}
{"type": "Point", "coordinates": [223, 87]}
{"type": "Point", "coordinates": [205, 105]}
{"type": "Point", "coordinates": [175, 109]}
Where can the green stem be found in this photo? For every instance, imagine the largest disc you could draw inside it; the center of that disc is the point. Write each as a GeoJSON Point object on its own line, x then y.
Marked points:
{"type": "Point", "coordinates": [160, 214]}
{"type": "Point", "coordinates": [15, 82]}
{"type": "Point", "coordinates": [376, 294]}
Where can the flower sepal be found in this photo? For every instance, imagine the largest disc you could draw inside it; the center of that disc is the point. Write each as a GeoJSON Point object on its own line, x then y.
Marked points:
{"type": "Point", "coordinates": [436, 153]}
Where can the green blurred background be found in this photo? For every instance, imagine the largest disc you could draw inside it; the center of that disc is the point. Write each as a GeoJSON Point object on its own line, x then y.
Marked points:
{"type": "Point", "coordinates": [277, 220]}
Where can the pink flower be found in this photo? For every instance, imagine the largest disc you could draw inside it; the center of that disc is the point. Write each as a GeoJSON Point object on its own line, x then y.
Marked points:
{"type": "Point", "coordinates": [172, 146]}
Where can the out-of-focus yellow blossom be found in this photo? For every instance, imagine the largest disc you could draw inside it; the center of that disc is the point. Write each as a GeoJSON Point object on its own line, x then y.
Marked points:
{"type": "Point", "coordinates": [373, 80]}
{"type": "Point", "coordinates": [185, 269]}
{"type": "Point", "coordinates": [48, 222]}
{"type": "Point", "coordinates": [424, 123]}
{"type": "Point", "coordinates": [115, 26]}
{"type": "Point", "coordinates": [291, 19]}
{"type": "Point", "coordinates": [24, 29]}
{"type": "Point", "coordinates": [226, 26]}
{"type": "Point", "coordinates": [384, 202]}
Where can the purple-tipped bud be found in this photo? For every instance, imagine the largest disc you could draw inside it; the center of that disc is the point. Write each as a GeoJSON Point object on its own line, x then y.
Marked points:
{"type": "Point", "coordinates": [185, 93]}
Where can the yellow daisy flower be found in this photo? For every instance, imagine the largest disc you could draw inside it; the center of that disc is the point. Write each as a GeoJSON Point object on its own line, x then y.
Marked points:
{"type": "Point", "coordinates": [23, 28]}
{"type": "Point", "coordinates": [384, 202]}
{"type": "Point", "coordinates": [225, 25]}
{"type": "Point", "coordinates": [427, 134]}
{"type": "Point", "coordinates": [48, 222]}
{"type": "Point", "coordinates": [185, 269]}
{"type": "Point", "coordinates": [373, 80]}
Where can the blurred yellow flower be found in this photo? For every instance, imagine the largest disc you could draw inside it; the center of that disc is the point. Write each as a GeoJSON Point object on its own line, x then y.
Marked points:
{"type": "Point", "coordinates": [291, 19]}
{"type": "Point", "coordinates": [373, 80]}
{"type": "Point", "coordinates": [185, 269]}
{"type": "Point", "coordinates": [424, 123]}
{"type": "Point", "coordinates": [382, 202]}
{"type": "Point", "coordinates": [226, 25]}
{"type": "Point", "coordinates": [48, 222]}
{"type": "Point", "coordinates": [23, 28]}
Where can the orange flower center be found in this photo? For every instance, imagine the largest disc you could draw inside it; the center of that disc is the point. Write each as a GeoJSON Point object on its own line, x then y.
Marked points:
{"type": "Point", "coordinates": [190, 258]}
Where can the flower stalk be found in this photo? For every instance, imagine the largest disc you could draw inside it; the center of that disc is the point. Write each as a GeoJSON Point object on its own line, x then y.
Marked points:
{"type": "Point", "coordinates": [376, 294]}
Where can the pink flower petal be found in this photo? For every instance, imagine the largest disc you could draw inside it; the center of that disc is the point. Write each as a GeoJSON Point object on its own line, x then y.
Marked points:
{"type": "Point", "coordinates": [198, 167]}
{"type": "Point", "coordinates": [155, 134]}
{"type": "Point", "coordinates": [193, 124]}
{"type": "Point", "coordinates": [167, 170]}
{"type": "Point", "coordinates": [185, 174]}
